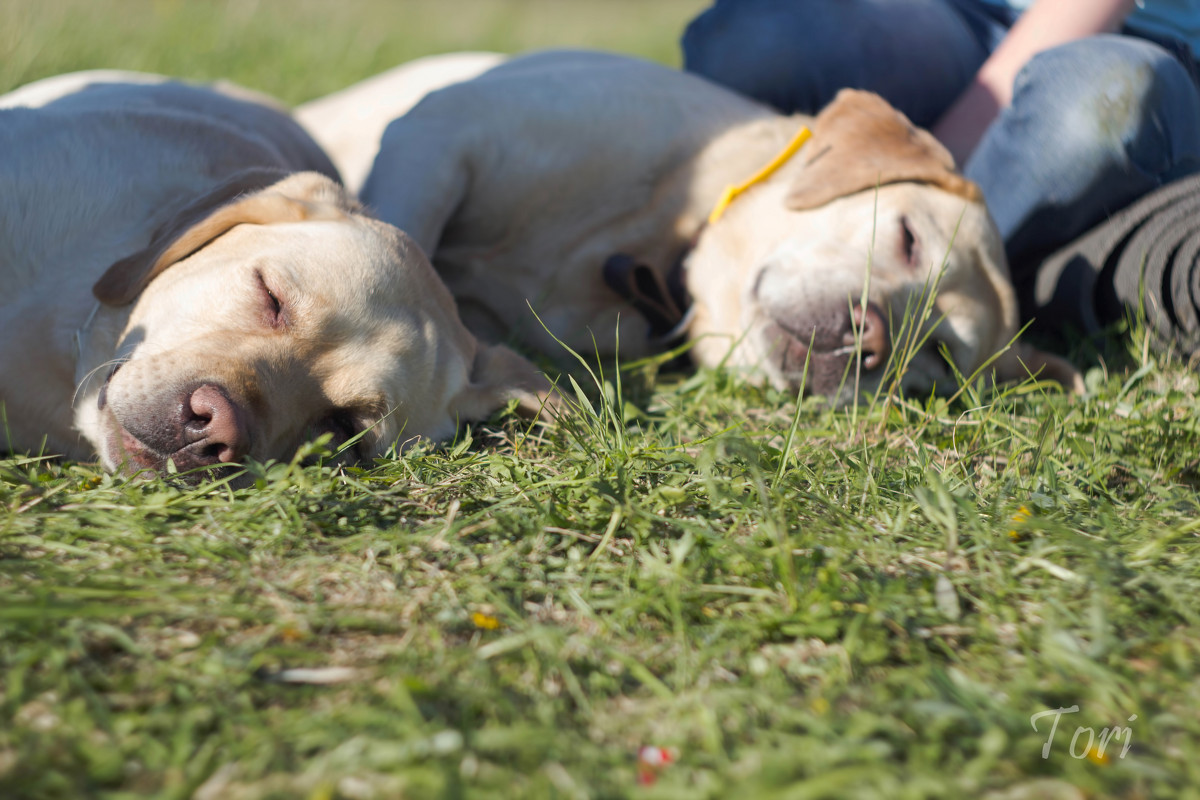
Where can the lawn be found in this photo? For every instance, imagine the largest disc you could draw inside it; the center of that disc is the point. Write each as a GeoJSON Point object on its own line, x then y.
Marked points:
{"type": "Point", "coordinates": [901, 600]}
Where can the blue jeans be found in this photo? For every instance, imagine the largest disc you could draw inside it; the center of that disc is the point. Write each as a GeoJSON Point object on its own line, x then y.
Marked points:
{"type": "Point", "coordinates": [1093, 125]}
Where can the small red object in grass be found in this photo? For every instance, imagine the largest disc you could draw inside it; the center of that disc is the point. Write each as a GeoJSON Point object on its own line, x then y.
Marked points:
{"type": "Point", "coordinates": [651, 761]}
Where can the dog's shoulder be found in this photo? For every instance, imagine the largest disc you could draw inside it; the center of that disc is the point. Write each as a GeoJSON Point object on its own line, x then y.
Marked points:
{"type": "Point", "coordinates": [192, 113]}
{"type": "Point", "coordinates": [349, 124]}
{"type": "Point", "coordinates": [39, 93]}
{"type": "Point", "coordinates": [553, 83]}
{"type": "Point", "coordinates": [89, 169]}
{"type": "Point", "coordinates": [604, 126]}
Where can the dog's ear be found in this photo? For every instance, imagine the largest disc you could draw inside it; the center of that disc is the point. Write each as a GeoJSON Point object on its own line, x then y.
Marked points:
{"type": "Point", "coordinates": [499, 375]}
{"type": "Point", "coordinates": [1025, 361]}
{"type": "Point", "coordinates": [255, 196]}
{"type": "Point", "coordinates": [859, 142]}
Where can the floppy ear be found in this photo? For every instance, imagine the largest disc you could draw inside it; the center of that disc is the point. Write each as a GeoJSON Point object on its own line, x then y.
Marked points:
{"type": "Point", "coordinates": [255, 196]}
{"type": "Point", "coordinates": [1026, 360]}
{"type": "Point", "coordinates": [499, 375]}
{"type": "Point", "coordinates": [859, 142]}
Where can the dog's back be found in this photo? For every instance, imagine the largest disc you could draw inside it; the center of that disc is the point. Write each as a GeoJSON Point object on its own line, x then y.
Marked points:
{"type": "Point", "coordinates": [90, 167]}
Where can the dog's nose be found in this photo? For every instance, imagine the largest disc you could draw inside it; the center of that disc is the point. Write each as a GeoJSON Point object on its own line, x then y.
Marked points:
{"type": "Point", "coordinates": [870, 332]}
{"type": "Point", "coordinates": [213, 429]}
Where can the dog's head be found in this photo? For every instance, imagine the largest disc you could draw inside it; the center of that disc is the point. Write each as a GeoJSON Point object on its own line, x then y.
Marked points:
{"type": "Point", "coordinates": [869, 252]}
{"type": "Point", "coordinates": [271, 311]}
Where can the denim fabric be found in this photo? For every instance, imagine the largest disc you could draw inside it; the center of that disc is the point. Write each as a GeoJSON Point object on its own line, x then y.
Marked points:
{"type": "Point", "coordinates": [796, 54]}
{"type": "Point", "coordinates": [1094, 124]}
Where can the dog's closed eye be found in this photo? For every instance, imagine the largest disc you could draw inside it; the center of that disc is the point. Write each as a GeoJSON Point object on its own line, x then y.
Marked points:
{"type": "Point", "coordinates": [273, 308]}
{"type": "Point", "coordinates": [908, 243]}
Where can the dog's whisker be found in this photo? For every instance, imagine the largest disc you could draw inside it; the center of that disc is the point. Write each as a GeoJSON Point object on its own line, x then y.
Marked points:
{"type": "Point", "coordinates": [112, 363]}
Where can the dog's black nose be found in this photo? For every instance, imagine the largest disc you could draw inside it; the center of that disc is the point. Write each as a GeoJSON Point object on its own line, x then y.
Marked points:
{"type": "Point", "coordinates": [212, 429]}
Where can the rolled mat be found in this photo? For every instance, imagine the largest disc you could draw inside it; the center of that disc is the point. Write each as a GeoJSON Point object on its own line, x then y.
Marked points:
{"type": "Point", "coordinates": [1145, 257]}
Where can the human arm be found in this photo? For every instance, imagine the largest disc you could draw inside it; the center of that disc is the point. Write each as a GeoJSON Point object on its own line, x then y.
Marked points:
{"type": "Point", "coordinates": [1046, 24]}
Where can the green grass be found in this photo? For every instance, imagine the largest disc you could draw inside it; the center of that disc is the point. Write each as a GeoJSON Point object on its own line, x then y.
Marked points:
{"type": "Point", "coordinates": [873, 608]}
{"type": "Point", "coordinates": [301, 49]}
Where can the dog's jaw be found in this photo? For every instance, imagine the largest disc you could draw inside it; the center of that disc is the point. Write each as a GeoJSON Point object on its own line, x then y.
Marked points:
{"type": "Point", "coordinates": [119, 450]}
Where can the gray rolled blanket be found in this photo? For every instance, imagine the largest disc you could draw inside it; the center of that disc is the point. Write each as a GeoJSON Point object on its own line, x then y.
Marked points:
{"type": "Point", "coordinates": [1146, 257]}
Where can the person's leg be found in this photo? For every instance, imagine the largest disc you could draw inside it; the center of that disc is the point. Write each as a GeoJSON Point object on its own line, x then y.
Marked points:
{"type": "Point", "coordinates": [796, 54]}
{"type": "Point", "coordinates": [1093, 125]}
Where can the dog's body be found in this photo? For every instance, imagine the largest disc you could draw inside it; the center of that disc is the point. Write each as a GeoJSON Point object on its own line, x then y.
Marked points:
{"type": "Point", "coordinates": [524, 182]}
{"type": "Point", "coordinates": [349, 124]}
{"type": "Point", "coordinates": [285, 312]}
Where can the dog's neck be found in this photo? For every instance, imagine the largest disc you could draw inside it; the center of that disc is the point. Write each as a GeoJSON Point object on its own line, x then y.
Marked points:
{"type": "Point", "coordinates": [94, 349]}
{"type": "Point", "coordinates": [82, 333]}
{"type": "Point", "coordinates": [662, 298]}
{"type": "Point", "coordinates": [53, 339]}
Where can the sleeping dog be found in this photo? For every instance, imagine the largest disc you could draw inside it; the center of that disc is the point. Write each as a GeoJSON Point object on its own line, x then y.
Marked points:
{"type": "Point", "coordinates": [588, 187]}
{"type": "Point", "coordinates": [185, 280]}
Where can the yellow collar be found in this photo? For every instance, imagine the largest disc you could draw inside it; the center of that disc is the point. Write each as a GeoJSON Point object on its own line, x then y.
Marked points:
{"type": "Point", "coordinates": [730, 193]}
